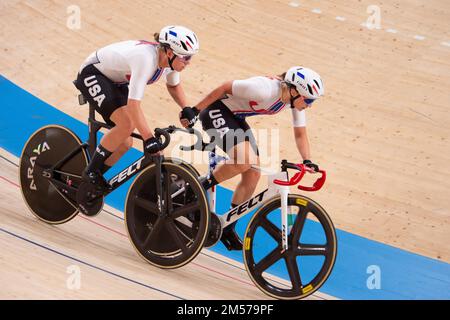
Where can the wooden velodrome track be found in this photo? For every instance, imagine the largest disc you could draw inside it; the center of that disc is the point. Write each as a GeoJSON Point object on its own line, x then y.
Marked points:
{"type": "Point", "coordinates": [37, 259]}
{"type": "Point", "coordinates": [381, 131]}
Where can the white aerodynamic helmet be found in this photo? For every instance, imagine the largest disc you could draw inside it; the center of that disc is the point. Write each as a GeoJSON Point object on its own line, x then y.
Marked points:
{"type": "Point", "coordinates": [181, 40]}
{"type": "Point", "coordinates": [307, 82]}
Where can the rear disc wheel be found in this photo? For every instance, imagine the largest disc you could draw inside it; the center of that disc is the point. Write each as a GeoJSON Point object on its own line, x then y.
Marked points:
{"type": "Point", "coordinates": [43, 150]}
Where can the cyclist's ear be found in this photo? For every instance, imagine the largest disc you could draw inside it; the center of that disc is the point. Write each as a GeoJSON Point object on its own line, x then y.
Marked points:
{"type": "Point", "coordinates": [169, 53]}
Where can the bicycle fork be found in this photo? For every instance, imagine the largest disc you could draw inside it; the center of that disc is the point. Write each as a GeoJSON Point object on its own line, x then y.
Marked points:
{"type": "Point", "coordinates": [283, 191]}
{"type": "Point", "coordinates": [159, 185]}
{"type": "Point", "coordinates": [284, 194]}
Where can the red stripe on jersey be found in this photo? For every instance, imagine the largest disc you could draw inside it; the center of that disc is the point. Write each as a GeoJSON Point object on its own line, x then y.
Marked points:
{"type": "Point", "coordinates": [275, 103]}
{"type": "Point", "coordinates": [254, 103]}
{"type": "Point", "coordinates": [146, 42]}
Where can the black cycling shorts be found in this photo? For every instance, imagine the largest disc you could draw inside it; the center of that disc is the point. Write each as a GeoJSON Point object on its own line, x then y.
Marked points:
{"type": "Point", "coordinates": [226, 129]}
{"type": "Point", "coordinates": [102, 93]}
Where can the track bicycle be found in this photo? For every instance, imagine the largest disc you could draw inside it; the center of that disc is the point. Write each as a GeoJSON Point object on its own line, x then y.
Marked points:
{"type": "Point", "coordinates": [286, 228]}
{"type": "Point", "coordinates": [51, 165]}
{"type": "Point", "coordinates": [170, 218]}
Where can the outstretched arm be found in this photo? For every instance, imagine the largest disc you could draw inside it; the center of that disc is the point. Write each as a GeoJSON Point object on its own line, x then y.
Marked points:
{"type": "Point", "coordinates": [219, 92]}
{"type": "Point", "coordinates": [138, 118]}
{"type": "Point", "coordinates": [302, 141]}
{"type": "Point", "coordinates": [177, 94]}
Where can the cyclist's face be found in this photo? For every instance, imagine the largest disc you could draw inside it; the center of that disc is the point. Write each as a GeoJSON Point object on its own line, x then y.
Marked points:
{"type": "Point", "coordinates": [299, 103]}
{"type": "Point", "coordinates": [181, 62]}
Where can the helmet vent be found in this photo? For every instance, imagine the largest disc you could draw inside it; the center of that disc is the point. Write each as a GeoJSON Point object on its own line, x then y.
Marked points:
{"type": "Point", "coordinates": [184, 46]}
{"type": "Point", "coordinates": [317, 83]}
{"type": "Point", "coordinates": [293, 77]}
{"type": "Point", "coordinates": [166, 36]}
{"type": "Point", "coordinates": [190, 39]}
{"type": "Point", "coordinates": [310, 90]}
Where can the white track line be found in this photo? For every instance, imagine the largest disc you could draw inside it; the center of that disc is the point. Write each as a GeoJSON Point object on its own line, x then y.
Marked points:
{"type": "Point", "coordinates": [392, 30]}
{"type": "Point", "coordinates": [364, 24]}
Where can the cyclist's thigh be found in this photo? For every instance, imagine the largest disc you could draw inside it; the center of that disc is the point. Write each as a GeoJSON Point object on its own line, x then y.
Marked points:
{"type": "Point", "coordinates": [248, 135]}
{"type": "Point", "coordinates": [102, 93]}
{"type": "Point", "coordinates": [121, 117]}
{"type": "Point", "coordinates": [244, 153]}
{"type": "Point", "coordinates": [224, 128]}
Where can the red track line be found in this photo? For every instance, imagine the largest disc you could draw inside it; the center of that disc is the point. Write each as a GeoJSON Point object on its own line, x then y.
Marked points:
{"type": "Point", "coordinates": [103, 226]}
{"type": "Point", "coordinates": [225, 275]}
{"type": "Point", "coordinates": [198, 265]}
{"type": "Point", "coordinates": [13, 183]}
{"type": "Point", "coordinates": [124, 235]}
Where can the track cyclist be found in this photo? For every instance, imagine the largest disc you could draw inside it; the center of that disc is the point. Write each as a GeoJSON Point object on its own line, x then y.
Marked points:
{"type": "Point", "coordinates": [223, 114]}
{"type": "Point", "coordinates": [113, 79]}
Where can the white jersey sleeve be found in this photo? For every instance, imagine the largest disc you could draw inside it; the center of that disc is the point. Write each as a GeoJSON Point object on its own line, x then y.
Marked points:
{"type": "Point", "coordinates": [251, 89]}
{"type": "Point", "coordinates": [172, 77]}
{"type": "Point", "coordinates": [141, 70]}
{"type": "Point", "coordinates": [298, 118]}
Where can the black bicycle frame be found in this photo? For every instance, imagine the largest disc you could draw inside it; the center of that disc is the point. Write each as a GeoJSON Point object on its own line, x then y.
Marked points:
{"type": "Point", "coordinates": [131, 170]}
{"type": "Point", "coordinates": [124, 175]}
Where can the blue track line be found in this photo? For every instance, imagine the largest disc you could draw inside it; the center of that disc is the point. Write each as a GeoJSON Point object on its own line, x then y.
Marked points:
{"type": "Point", "coordinates": [120, 218]}
{"type": "Point", "coordinates": [404, 275]}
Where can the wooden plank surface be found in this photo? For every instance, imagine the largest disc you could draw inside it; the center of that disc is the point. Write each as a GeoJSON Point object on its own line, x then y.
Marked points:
{"type": "Point", "coordinates": [381, 131]}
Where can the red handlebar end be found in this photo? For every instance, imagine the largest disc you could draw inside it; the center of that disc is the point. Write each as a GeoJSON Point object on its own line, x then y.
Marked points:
{"type": "Point", "coordinates": [299, 175]}
{"type": "Point", "coordinates": [318, 184]}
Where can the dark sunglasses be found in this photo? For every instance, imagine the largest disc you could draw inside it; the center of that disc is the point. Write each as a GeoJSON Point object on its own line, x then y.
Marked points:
{"type": "Point", "coordinates": [184, 58]}
{"type": "Point", "coordinates": [307, 101]}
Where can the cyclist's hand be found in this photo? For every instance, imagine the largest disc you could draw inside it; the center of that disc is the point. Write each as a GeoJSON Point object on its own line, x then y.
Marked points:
{"type": "Point", "coordinates": [152, 146]}
{"type": "Point", "coordinates": [188, 116]}
{"type": "Point", "coordinates": [311, 165]}
{"type": "Point", "coordinates": [184, 123]}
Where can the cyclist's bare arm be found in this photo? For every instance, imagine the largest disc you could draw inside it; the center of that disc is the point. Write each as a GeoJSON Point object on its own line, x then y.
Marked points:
{"type": "Point", "coordinates": [302, 142]}
{"type": "Point", "coordinates": [216, 94]}
{"type": "Point", "coordinates": [177, 94]}
{"type": "Point", "coordinates": [137, 116]}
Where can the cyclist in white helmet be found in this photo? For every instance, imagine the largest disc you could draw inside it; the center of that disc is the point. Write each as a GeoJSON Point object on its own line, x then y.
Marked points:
{"type": "Point", "coordinates": [223, 114]}
{"type": "Point", "coordinates": [113, 80]}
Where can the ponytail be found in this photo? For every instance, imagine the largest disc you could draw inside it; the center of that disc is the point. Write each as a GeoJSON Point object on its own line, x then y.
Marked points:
{"type": "Point", "coordinates": [164, 46]}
